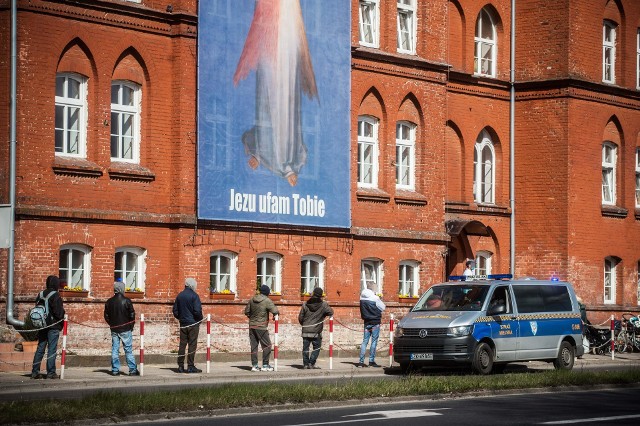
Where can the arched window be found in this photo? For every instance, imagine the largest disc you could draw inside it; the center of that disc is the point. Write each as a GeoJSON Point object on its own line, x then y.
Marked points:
{"type": "Point", "coordinates": [609, 52]}
{"type": "Point", "coordinates": [610, 280]}
{"type": "Point", "coordinates": [74, 266]}
{"type": "Point", "coordinates": [125, 121]}
{"type": "Point", "coordinates": [222, 272]}
{"type": "Point", "coordinates": [311, 273]}
{"type": "Point", "coordinates": [269, 267]}
{"type": "Point", "coordinates": [485, 45]}
{"type": "Point", "coordinates": [367, 152]}
{"type": "Point", "coordinates": [71, 115]}
{"type": "Point", "coordinates": [483, 170]}
{"type": "Point", "coordinates": [609, 161]}
{"type": "Point", "coordinates": [369, 22]}
{"type": "Point", "coordinates": [130, 267]}
{"type": "Point", "coordinates": [483, 263]}
{"type": "Point", "coordinates": [405, 155]}
{"type": "Point", "coordinates": [371, 275]}
{"type": "Point", "coordinates": [408, 284]}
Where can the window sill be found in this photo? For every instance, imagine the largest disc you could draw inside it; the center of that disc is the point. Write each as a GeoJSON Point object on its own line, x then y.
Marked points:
{"type": "Point", "coordinates": [614, 211]}
{"type": "Point", "coordinates": [404, 196]}
{"type": "Point", "coordinates": [134, 172]}
{"type": "Point", "coordinates": [76, 167]}
{"type": "Point", "coordinates": [372, 194]}
{"type": "Point", "coordinates": [222, 296]}
{"type": "Point", "coordinates": [71, 293]}
{"type": "Point", "coordinates": [134, 294]}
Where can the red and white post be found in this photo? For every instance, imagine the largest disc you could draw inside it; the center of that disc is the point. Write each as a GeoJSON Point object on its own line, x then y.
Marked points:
{"type": "Point", "coordinates": [330, 343]}
{"type": "Point", "coordinates": [391, 341]}
{"type": "Point", "coordinates": [613, 337]}
{"type": "Point", "coordinates": [141, 366]}
{"type": "Point", "coordinates": [275, 346]}
{"type": "Point", "coordinates": [64, 346]}
{"type": "Point", "coordinates": [208, 343]}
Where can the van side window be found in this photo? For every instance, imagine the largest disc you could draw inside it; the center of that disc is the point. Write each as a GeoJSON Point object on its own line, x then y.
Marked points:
{"type": "Point", "coordinates": [501, 297]}
{"type": "Point", "coordinates": [542, 298]}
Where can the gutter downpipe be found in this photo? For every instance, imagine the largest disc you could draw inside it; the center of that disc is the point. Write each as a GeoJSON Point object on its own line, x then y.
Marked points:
{"type": "Point", "coordinates": [12, 167]}
{"type": "Point", "coordinates": [512, 105]}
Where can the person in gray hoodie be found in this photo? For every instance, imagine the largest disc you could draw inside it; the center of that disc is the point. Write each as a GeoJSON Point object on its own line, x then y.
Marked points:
{"type": "Point", "coordinates": [311, 318]}
{"type": "Point", "coordinates": [257, 310]}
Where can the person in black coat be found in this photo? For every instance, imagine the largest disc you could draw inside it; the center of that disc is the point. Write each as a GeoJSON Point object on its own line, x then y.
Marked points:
{"type": "Point", "coordinates": [120, 315]}
{"type": "Point", "coordinates": [48, 337]}
{"type": "Point", "coordinates": [188, 310]}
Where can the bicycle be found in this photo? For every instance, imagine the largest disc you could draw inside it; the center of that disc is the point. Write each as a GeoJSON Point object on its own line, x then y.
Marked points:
{"type": "Point", "coordinates": [628, 337]}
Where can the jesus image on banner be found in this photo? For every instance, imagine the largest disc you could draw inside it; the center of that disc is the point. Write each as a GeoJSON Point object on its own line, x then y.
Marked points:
{"type": "Point", "coordinates": [276, 47]}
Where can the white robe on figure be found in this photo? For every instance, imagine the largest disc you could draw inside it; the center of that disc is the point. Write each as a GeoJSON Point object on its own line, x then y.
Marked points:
{"type": "Point", "coordinates": [276, 47]}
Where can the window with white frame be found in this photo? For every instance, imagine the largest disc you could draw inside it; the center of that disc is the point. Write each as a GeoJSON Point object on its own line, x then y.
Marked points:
{"type": "Point", "coordinates": [371, 275]}
{"type": "Point", "coordinates": [485, 45]}
{"type": "Point", "coordinates": [74, 266]}
{"type": "Point", "coordinates": [483, 170]}
{"type": "Point", "coordinates": [483, 263]}
{"type": "Point", "coordinates": [311, 273]}
{"type": "Point", "coordinates": [609, 160]}
{"type": "Point", "coordinates": [367, 152]}
{"type": "Point", "coordinates": [610, 266]}
{"type": "Point", "coordinates": [369, 22]}
{"type": "Point", "coordinates": [406, 26]}
{"type": "Point", "coordinates": [130, 267]}
{"type": "Point", "coordinates": [222, 272]}
{"type": "Point", "coordinates": [71, 115]}
{"type": "Point", "coordinates": [125, 121]}
{"type": "Point", "coordinates": [408, 284]}
{"type": "Point", "coordinates": [405, 155]}
{"type": "Point", "coordinates": [269, 271]}
{"type": "Point", "coordinates": [637, 177]}
{"type": "Point", "coordinates": [609, 52]}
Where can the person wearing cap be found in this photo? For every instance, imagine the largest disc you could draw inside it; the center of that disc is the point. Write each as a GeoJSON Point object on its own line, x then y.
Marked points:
{"type": "Point", "coordinates": [48, 337]}
{"type": "Point", "coordinates": [257, 310]}
{"type": "Point", "coordinates": [188, 310]}
{"type": "Point", "coordinates": [120, 315]}
{"type": "Point", "coordinates": [311, 318]}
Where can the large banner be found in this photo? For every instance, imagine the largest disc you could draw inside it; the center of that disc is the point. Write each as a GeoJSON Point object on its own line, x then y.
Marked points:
{"type": "Point", "coordinates": [273, 111]}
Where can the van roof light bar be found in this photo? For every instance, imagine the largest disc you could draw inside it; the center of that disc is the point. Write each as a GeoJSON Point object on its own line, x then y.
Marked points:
{"type": "Point", "coordinates": [480, 277]}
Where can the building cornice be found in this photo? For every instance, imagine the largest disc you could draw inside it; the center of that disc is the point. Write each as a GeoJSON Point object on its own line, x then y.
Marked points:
{"type": "Point", "coordinates": [399, 65]}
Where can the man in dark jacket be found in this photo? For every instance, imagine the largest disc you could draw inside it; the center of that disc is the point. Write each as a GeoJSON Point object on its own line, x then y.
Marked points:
{"type": "Point", "coordinates": [48, 337]}
{"type": "Point", "coordinates": [188, 310]}
{"type": "Point", "coordinates": [257, 310]}
{"type": "Point", "coordinates": [371, 308]}
{"type": "Point", "coordinates": [311, 317]}
{"type": "Point", "coordinates": [120, 315]}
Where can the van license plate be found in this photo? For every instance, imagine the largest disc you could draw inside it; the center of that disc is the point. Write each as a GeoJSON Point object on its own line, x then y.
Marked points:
{"type": "Point", "coordinates": [415, 357]}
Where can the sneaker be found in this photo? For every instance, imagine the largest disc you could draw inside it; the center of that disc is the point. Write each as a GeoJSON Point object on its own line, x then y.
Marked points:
{"type": "Point", "coordinates": [373, 364]}
{"type": "Point", "coordinates": [314, 367]}
{"type": "Point", "coordinates": [194, 369]}
{"type": "Point", "coordinates": [267, 367]}
{"type": "Point", "coordinates": [306, 367]}
{"type": "Point", "coordinates": [361, 365]}
{"type": "Point", "coordinates": [115, 373]}
{"type": "Point", "coordinates": [36, 376]}
{"type": "Point", "coordinates": [134, 373]}
{"type": "Point", "coordinates": [181, 369]}
{"type": "Point", "coordinates": [255, 368]}
{"type": "Point", "coordinates": [52, 376]}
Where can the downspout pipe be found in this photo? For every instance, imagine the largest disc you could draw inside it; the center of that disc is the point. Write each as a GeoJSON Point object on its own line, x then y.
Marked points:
{"type": "Point", "coordinates": [12, 167]}
{"type": "Point", "coordinates": [512, 167]}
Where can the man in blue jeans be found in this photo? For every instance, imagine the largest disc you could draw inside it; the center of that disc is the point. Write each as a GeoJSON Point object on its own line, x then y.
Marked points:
{"type": "Point", "coordinates": [49, 335]}
{"type": "Point", "coordinates": [120, 315]}
{"type": "Point", "coordinates": [371, 308]}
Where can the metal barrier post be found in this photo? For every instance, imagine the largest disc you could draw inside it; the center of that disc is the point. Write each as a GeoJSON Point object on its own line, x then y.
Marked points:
{"type": "Point", "coordinates": [613, 338]}
{"type": "Point", "coordinates": [391, 341]}
{"type": "Point", "coordinates": [331, 343]}
{"type": "Point", "coordinates": [275, 346]}
{"type": "Point", "coordinates": [64, 346]}
{"type": "Point", "coordinates": [141, 366]}
{"type": "Point", "coordinates": [208, 343]}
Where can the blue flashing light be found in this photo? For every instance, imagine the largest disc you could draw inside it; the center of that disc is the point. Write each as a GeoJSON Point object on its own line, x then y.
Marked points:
{"type": "Point", "coordinates": [500, 276]}
{"type": "Point", "coordinates": [457, 278]}
{"type": "Point", "coordinates": [555, 279]}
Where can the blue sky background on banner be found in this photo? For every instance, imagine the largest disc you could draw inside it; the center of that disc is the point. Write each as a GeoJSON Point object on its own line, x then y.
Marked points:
{"type": "Point", "coordinates": [226, 111]}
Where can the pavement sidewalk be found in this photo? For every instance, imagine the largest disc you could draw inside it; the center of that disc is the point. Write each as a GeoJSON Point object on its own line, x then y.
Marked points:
{"type": "Point", "coordinates": [80, 380]}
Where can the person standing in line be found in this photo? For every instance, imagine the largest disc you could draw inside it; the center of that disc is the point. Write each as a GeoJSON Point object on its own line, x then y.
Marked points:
{"type": "Point", "coordinates": [311, 317]}
{"type": "Point", "coordinates": [48, 337]}
{"type": "Point", "coordinates": [257, 310]}
{"type": "Point", "coordinates": [188, 310]}
{"type": "Point", "coordinates": [371, 308]}
{"type": "Point", "coordinates": [121, 317]}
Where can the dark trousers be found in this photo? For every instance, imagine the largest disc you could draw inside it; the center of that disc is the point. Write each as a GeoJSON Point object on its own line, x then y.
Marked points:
{"type": "Point", "coordinates": [316, 342]}
{"type": "Point", "coordinates": [46, 338]}
{"type": "Point", "coordinates": [188, 335]}
{"type": "Point", "coordinates": [261, 336]}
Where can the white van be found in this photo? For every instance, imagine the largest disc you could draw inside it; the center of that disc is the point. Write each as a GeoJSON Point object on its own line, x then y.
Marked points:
{"type": "Point", "coordinates": [490, 322]}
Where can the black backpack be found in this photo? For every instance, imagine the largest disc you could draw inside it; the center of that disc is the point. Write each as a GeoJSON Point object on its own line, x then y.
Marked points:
{"type": "Point", "coordinates": [39, 314]}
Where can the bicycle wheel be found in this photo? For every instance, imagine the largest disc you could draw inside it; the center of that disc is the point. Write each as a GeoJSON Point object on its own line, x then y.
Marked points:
{"type": "Point", "coordinates": [621, 342]}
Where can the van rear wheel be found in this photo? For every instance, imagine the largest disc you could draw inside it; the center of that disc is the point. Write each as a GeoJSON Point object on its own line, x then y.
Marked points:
{"type": "Point", "coordinates": [566, 357]}
{"type": "Point", "coordinates": [482, 359]}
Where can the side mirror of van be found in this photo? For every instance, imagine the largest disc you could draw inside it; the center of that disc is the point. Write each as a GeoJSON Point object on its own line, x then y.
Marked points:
{"type": "Point", "coordinates": [497, 309]}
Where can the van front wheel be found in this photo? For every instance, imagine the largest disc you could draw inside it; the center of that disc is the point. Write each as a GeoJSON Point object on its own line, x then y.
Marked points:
{"type": "Point", "coordinates": [483, 359]}
{"type": "Point", "coordinates": [566, 357]}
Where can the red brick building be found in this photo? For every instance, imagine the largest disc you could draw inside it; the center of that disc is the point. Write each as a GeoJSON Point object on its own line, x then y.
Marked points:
{"type": "Point", "coordinates": [107, 146]}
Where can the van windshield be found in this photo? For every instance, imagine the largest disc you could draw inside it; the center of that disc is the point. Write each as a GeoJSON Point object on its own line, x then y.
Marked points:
{"type": "Point", "coordinates": [453, 297]}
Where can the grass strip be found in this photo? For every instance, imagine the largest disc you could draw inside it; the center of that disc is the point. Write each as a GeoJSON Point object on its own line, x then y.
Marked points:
{"type": "Point", "coordinates": [118, 405]}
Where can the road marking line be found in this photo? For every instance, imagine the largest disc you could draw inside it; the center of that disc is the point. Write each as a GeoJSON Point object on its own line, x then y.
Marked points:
{"type": "Point", "coordinates": [385, 415]}
{"type": "Point", "coordinates": [592, 419]}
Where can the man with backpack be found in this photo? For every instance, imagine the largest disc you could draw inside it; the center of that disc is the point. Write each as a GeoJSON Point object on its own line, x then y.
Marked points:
{"type": "Point", "coordinates": [48, 336]}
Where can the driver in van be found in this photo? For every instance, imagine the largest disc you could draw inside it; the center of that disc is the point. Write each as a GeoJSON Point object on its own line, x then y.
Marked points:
{"type": "Point", "coordinates": [434, 302]}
